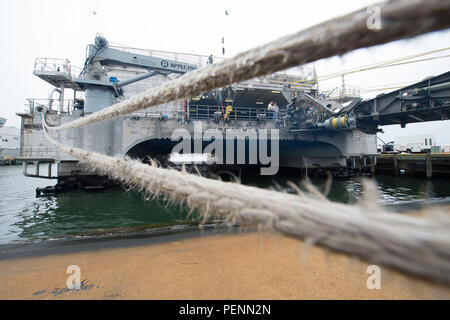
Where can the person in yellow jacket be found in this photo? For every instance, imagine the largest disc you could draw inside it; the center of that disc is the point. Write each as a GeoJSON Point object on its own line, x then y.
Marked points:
{"type": "Point", "coordinates": [227, 111]}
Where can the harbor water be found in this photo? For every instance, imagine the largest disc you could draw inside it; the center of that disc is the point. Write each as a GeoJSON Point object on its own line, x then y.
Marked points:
{"type": "Point", "coordinates": [25, 217]}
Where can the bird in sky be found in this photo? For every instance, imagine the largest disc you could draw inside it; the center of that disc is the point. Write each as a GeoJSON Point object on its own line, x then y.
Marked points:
{"type": "Point", "coordinates": [226, 12]}
{"type": "Point", "coordinates": [94, 12]}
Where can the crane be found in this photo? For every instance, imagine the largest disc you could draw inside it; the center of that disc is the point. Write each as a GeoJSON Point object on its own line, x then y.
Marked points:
{"type": "Point", "coordinates": [101, 90]}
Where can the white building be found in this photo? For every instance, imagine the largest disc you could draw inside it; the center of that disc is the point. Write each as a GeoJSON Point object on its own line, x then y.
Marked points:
{"type": "Point", "coordinates": [9, 140]}
{"type": "Point", "coordinates": [415, 143]}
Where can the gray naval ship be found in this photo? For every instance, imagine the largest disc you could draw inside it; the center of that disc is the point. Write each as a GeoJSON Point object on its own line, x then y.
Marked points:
{"type": "Point", "coordinates": [317, 132]}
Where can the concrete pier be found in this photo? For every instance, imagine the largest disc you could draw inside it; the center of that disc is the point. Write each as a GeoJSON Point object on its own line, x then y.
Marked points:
{"type": "Point", "coordinates": [414, 164]}
{"type": "Point", "coordinates": [245, 266]}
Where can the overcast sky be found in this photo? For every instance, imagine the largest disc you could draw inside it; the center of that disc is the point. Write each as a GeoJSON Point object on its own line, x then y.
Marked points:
{"type": "Point", "coordinates": [62, 29]}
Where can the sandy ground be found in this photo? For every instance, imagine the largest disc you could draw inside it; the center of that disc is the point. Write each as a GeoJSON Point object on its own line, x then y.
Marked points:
{"type": "Point", "coordinates": [245, 266]}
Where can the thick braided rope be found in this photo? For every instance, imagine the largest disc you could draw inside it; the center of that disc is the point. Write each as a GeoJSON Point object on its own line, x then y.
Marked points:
{"type": "Point", "coordinates": [401, 19]}
{"type": "Point", "coordinates": [419, 246]}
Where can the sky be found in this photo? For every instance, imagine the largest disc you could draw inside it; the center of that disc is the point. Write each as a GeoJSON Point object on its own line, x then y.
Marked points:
{"type": "Point", "coordinates": [63, 29]}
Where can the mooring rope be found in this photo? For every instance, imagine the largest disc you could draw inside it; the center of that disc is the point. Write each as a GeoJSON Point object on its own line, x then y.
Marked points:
{"type": "Point", "coordinates": [416, 245]}
{"type": "Point", "coordinates": [400, 19]}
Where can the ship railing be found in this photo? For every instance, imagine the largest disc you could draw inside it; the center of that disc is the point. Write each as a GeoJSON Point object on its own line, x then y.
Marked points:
{"type": "Point", "coordinates": [53, 105]}
{"type": "Point", "coordinates": [336, 93]}
{"type": "Point", "coordinates": [261, 84]}
{"type": "Point", "coordinates": [251, 114]}
{"type": "Point", "coordinates": [209, 112]}
{"type": "Point", "coordinates": [150, 115]}
{"type": "Point", "coordinates": [306, 72]}
{"type": "Point", "coordinates": [196, 59]}
{"type": "Point", "coordinates": [57, 65]}
{"type": "Point", "coordinates": [301, 78]}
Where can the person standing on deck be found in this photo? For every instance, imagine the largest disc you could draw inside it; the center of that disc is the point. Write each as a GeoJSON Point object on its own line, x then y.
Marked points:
{"type": "Point", "coordinates": [274, 108]}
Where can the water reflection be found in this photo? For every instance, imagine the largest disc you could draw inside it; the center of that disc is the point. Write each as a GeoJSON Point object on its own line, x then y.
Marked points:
{"type": "Point", "coordinates": [391, 189]}
{"type": "Point", "coordinates": [77, 212]}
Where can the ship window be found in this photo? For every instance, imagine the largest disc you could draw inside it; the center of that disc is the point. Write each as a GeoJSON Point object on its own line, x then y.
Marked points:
{"type": "Point", "coordinates": [426, 141]}
{"type": "Point", "coordinates": [430, 141]}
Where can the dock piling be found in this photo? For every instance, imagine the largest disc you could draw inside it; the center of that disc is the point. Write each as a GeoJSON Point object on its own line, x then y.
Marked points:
{"type": "Point", "coordinates": [429, 165]}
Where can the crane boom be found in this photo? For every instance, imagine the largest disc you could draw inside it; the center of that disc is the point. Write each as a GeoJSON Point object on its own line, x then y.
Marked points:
{"type": "Point", "coordinates": [100, 51]}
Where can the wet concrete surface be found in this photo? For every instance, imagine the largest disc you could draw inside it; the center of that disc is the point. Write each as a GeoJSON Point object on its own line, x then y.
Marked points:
{"type": "Point", "coordinates": [220, 264]}
{"type": "Point", "coordinates": [41, 248]}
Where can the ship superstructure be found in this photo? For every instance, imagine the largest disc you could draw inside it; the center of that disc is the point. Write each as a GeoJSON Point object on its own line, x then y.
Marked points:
{"type": "Point", "coordinates": [316, 130]}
